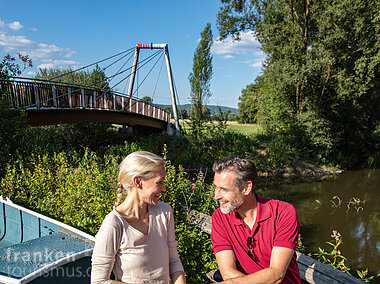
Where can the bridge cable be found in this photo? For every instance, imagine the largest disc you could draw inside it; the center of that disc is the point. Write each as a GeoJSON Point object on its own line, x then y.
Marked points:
{"type": "Point", "coordinates": [109, 65]}
{"type": "Point", "coordinates": [139, 67]}
{"type": "Point", "coordinates": [148, 59]}
{"type": "Point", "coordinates": [113, 76]}
{"type": "Point", "coordinates": [149, 71]}
{"type": "Point", "coordinates": [158, 78]}
{"type": "Point", "coordinates": [122, 66]}
{"type": "Point", "coordinates": [73, 71]}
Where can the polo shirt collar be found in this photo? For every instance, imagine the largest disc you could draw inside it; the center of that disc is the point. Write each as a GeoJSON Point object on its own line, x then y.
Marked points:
{"type": "Point", "coordinates": [263, 212]}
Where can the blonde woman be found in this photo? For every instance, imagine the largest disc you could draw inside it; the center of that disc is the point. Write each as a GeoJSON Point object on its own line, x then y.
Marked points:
{"type": "Point", "coordinates": [136, 239]}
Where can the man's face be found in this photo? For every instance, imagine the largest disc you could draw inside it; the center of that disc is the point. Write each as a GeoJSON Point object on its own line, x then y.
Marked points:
{"type": "Point", "coordinates": [226, 192]}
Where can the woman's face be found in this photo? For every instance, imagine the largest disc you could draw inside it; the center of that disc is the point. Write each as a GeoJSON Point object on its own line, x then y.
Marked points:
{"type": "Point", "coordinates": [152, 187]}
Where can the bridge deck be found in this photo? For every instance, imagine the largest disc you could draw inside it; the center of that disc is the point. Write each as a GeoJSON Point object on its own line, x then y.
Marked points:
{"type": "Point", "coordinates": [53, 103]}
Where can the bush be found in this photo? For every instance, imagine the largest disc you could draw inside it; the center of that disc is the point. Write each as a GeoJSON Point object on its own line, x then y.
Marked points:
{"type": "Point", "coordinates": [79, 190]}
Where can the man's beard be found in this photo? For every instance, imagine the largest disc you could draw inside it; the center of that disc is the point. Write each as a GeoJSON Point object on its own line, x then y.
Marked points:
{"type": "Point", "coordinates": [232, 206]}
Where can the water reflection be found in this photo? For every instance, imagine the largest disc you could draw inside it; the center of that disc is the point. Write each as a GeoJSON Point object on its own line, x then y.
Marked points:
{"type": "Point", "coordinates": [349, 204]}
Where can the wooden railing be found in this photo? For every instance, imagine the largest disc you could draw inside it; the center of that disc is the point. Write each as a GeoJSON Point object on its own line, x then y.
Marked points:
{"type": "Point", "coordinates": [311, 270]}
{"type": "Point", "coordinates": [31, 94]}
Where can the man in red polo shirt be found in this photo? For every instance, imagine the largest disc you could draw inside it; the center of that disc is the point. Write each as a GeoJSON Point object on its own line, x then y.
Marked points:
{"type": "Point", "coordinates": [254, 238]}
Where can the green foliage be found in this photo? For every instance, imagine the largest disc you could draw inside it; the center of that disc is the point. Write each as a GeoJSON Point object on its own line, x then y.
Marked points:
{"type": "Point", "coordinates": [184, 194]}
{"type": "Point", "coordinates": [335, 258]}
{"type": "Point", "coordinates": [96, 77]}
{"type": "Point", "coordinates": [226, 115]}
{"type": "Point", "coordinates": [79, 190]}
{"type": "Point", "coordinates": [321, 71]}
{"type": "Point", "coordinates": [147, 100]}
{"type": "Point", "coordinates": [68, 187]}
{"type": "Point", "coordinates": [249, 104]}
{"type": "Point", "coordinates": [9, 67]}
{"type": "Point", "coordinates": [200, 78]}
{"type": "Point", "coordinates": [13, 127]}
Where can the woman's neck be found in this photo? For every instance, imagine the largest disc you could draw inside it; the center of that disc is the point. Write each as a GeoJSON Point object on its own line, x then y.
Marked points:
{"type": "Point", "coordinates": [133, 206]}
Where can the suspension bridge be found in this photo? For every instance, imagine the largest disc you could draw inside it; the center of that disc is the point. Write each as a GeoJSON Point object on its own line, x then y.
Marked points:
{"type": "Point", "coordinates": [54, 101]}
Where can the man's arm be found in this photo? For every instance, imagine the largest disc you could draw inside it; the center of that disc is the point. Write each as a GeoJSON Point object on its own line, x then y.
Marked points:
{"type": "Point", "coordinates": [227, 264]}
{"type": "Point", "coordinates": [275, 273]}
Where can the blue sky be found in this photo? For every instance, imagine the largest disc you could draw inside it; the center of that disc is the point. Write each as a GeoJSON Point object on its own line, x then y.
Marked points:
{"type": "Point", "coordinates": [76, 33]}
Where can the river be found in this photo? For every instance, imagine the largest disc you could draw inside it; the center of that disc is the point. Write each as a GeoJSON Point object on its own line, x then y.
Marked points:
{"type": "Point", "coordinates": [348, 203]}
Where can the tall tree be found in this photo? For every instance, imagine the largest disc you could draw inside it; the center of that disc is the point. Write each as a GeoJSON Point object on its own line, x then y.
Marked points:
{"type": "Point", "coordinates": [200, 78]}
{"type": "Point", "coordinates": [322, 65]}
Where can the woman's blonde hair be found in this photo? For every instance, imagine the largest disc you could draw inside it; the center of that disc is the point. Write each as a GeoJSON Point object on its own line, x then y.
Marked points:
{"type": "Point", "coordinates": [142, 164]}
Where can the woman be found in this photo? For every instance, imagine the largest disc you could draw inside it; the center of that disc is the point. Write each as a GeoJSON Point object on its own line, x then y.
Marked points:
{"type": "Point", "coordinates": [136, 240]}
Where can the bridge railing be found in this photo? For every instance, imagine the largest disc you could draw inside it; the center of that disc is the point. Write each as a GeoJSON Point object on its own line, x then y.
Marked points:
{"type": "Point", "coordinates": [34, 94]}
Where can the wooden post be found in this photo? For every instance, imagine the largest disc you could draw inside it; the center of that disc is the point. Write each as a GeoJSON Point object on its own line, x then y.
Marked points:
{"type": "Point", "coordinates": [54, 96]}
{"type": "Point", "coordinates": [94, 99]}
{"type": "Point", "coordinates": [69, 97]}
{"type": "Point", "coordinates": [82, 98]}
{"type": "Point", "coordinates": [114, 102]}
{"type": "Point", "coordinates": [36, 95]}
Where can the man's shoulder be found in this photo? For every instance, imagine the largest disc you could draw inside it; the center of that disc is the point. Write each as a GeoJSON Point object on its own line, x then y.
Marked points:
{"type": "Point", "coordinates": [222, 218]}
{"type": "Point", "coordinates": [273, 202]}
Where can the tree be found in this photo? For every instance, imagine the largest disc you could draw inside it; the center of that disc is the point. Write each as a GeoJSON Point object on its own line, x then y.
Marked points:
{"type": "Point", "coordinates": [95, 78]}
{"type": "Point", "coordinates": [321, 68]}
{"type": "Point", "coordinates": [147, 100]}
{"type": "Point", "coordinates": [248, 105]}
{"type": "Point", "coordinates": [200, 78]}
{"type": "Point", "coordinates": [9, 67]}
{"type": "Point", "coordinates": [13, 123]}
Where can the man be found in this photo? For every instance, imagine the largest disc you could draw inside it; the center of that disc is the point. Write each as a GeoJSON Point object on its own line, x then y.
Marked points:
{"type": "Point", "coordinates": [254, 238]}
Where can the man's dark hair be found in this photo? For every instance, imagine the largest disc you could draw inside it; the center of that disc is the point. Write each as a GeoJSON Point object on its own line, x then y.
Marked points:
{"type": "Point", "coordinates": [243, 168]}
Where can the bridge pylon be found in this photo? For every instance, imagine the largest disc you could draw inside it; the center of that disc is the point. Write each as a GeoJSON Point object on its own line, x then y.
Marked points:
{"type": "Point", "coordinates": [163, 46]}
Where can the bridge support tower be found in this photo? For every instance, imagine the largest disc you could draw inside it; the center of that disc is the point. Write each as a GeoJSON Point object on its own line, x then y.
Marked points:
{"type": "Point", "coordinates": [163, 46]}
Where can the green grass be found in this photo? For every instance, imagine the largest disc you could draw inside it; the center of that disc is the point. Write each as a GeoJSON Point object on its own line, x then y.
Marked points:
{"type": "Point", "coordinates": [246, 129]}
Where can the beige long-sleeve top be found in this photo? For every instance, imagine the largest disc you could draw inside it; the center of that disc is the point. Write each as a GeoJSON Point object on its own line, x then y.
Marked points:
{"type": "Point", "coordinates": [132, 256]}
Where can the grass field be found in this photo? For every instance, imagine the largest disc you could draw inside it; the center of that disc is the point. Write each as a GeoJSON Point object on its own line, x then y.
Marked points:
{"type": "Point", "coordinates": [246, 129]}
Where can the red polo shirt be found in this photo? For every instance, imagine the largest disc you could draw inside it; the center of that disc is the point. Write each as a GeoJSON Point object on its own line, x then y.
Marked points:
{"type": "Point", "coordinates": [276, 225]}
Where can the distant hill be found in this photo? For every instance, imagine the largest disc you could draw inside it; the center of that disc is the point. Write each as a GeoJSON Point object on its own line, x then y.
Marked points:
{"type": "Point", "coordinates": [214, 109]}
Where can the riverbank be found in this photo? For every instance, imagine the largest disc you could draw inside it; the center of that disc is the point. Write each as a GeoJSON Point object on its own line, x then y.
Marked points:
{"type": "Point", "coordinates": [302, 172]}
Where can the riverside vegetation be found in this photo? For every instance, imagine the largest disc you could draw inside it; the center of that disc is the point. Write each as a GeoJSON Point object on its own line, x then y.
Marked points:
{"type": "Point", "coordinates": [69, 172]}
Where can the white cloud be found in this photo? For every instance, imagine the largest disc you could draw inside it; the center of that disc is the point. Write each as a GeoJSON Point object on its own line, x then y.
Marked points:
{"type": "Point", "coordinates": [247, 46]}
{"type": "Point", "coordinates": [257, 64]}
{"type": "Point", "coordinates": [34, 50]}
{"type": "Point", "coordinates": [33, 29]}
{"type": "Point", "coordinates": [2, 24]}
{"type": "Point", "coordinates": [50, 63]}
{"type": "Point", "coordinates": [10, 42]}
{"type": "Point", "coordinates": [15, 26]}
{"type": "Point", "coordinates": [46, 66]}
{"type": "Point", "coordinates": [229, 48]}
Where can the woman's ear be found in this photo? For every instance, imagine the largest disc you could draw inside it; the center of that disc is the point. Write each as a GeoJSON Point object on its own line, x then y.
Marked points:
{"type": "Point", "coordinates": [137, 182]}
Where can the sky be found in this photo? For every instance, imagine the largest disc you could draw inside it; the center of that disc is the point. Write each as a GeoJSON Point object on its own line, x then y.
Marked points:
{"type": "Point", "coordinates": [76, 33]}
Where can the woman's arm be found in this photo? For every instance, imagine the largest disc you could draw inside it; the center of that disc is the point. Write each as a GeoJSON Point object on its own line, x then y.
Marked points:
{"type": "Point", "coordinates": [103, 257]}
{"type": "Point", "coordinates": [178, 277]}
